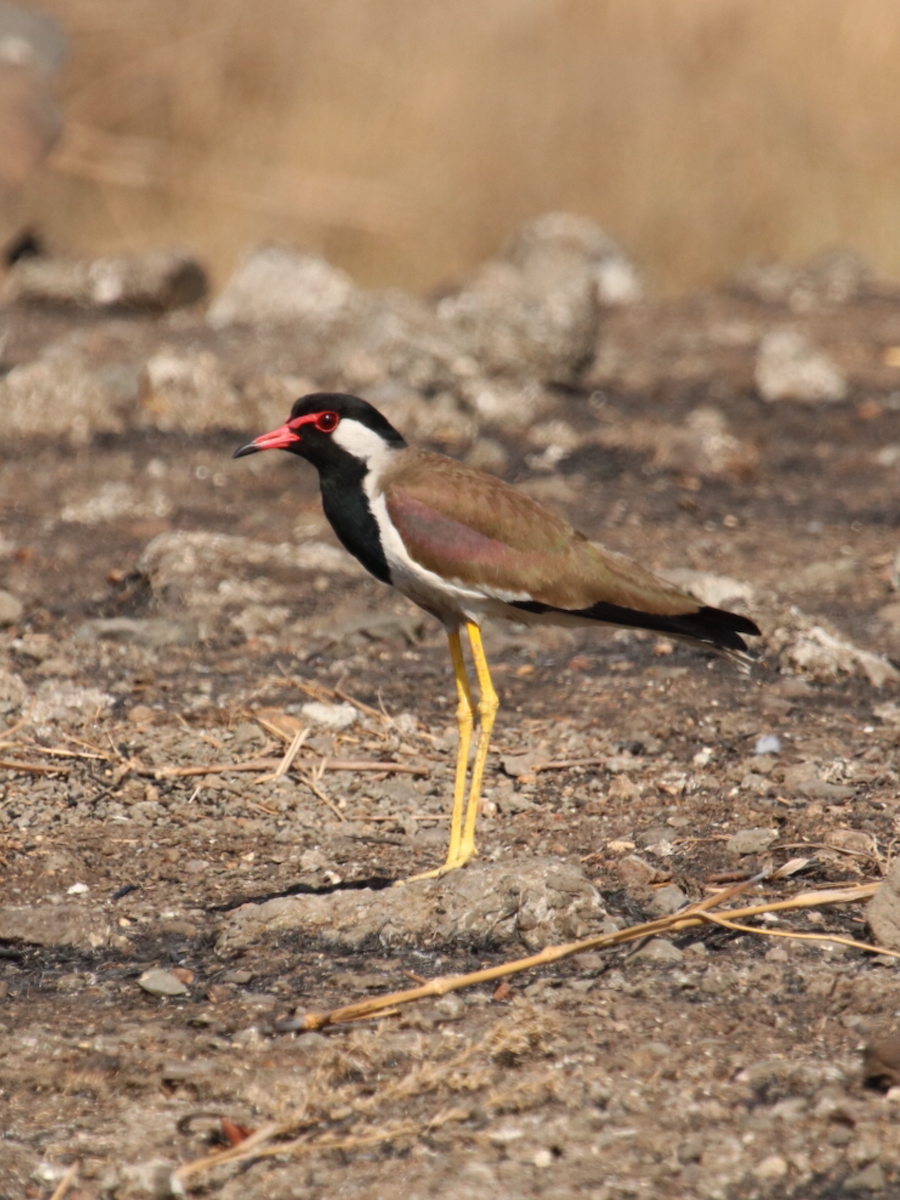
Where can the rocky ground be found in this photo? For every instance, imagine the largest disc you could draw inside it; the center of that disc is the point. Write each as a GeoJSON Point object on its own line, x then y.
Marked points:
{"type": "Point", "coordinates": [171, 620]}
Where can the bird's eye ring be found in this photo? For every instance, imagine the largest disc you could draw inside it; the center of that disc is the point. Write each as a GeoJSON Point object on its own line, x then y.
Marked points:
{"type": "Point", "coordinates": [327, 422]}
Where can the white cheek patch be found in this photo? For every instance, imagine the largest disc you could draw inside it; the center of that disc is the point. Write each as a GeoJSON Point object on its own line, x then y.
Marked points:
{"type": "Point", "coordinates": [365, 444]}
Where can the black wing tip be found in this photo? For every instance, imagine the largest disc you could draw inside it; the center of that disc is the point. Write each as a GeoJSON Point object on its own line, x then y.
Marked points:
{"type": "Point", "coordinates": [707, 625]}
{"type": "Point", "coordinates": [719, 626]}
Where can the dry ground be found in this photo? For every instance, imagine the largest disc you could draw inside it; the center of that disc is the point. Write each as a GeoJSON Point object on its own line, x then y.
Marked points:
{"type": "Point", "coordinates": [726, 1066]}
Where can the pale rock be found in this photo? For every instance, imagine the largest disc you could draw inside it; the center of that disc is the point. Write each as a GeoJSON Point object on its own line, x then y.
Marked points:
{"type": "Point", "coordinates": [158, 982]}
{"type": "Point", "coordinates": [330, 716]}
{"type": "Point", "coordinates": [751, 841]}
{"type": "Point", "coordinates": [189, 391]}
{"type": "Point", "coordinates": [883, 911]}
{"type": "Point", "coordinates": [279, 285]}
{"type": "Point", "coordinates": [11, 608]}
{"type": "Point", "coordinates": [789, 367]}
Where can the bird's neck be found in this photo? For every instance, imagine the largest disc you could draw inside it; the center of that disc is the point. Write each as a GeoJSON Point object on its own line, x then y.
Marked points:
{"type": "Point", "coordinates": [346, 505]}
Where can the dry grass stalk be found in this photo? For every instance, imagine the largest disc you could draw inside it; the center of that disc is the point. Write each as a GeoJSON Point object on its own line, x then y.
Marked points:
{"type": "Point", "coordinates": [32, 768]}
{"type": "Point", "coordinates": [264, 764]}
{"type": "Point", "coordinates": [65, 1182]}
{"type": "Point", "coordinates": [801, 937]}
{"type": "Point", "coordinates": [477, 1066]}
{"type": "Point", "coordinates": [289, 755]}
{"type": "Point", "coordinates": [689, 918]}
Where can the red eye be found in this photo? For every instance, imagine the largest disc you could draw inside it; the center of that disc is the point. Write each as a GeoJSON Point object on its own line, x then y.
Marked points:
{"type": "Point", "coordinates": [327, 422]}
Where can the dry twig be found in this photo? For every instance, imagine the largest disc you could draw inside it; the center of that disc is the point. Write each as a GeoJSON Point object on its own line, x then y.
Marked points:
{"type": "Point", "coordinates": [268, 764]}
{"type": "Point", "coordinates": [688, 918]}
{"type": "Point", "coordinates": [66, 1182]}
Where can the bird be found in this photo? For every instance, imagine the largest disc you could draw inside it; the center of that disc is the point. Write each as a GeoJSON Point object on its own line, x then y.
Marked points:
{"type": "Point", "coordinates": [465, 546]}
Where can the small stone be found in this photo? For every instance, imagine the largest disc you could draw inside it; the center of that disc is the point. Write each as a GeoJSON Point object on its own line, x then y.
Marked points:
{"type": "Point", "coordinates": [751, 841]}
{"type": "Point", "coordinates": [330, 716]}
{"type": "Point", "coordinates": [823, 656]}
{"type": "Point", "coordinates": [53, 925]}
{"type": "Point", "coordinates": [658, 950]}
{"type": "Point", "coordinates": [657, 1049]}
{"type": "Point", "coordinates": [789, 367]}
{"type": "Point", "coordinates": [767, 743]}
{"type": "Point", "coordinates": [148, 631]}
{"type": "Point", "coordinates": [140, 715]}
{"type": "Point", "coordinates": [247, 734]}
{"type": "Point", "coordinates": [161, 983]}
{"type": "Point", "coordinates": [635, 873]}
{"type": "Point", "coordinates": [852, 840]}
{"type": "Point", "coordinates": [870, 1179]}
{"type": "Point", "coordinates": [772, 1167]}
{"type": "Point", "coordinates": [77, 889]}
{"type": "Point", "coordinates": [450, 1007]}
{"type": "Point", "coordinates": [697, 950]}
{"type": "Point", "coordinates": [11, 608]}
{"type": "Point", "coordinates": [883, 912]}
{"type": "Point", "coordinates": [667, 900]}
{"type": "Point", "coordinates": [821, 789]}
{"type": "Point", "coordinates": [623, 788]}
{"type": "Point", "coordinates": [152, 1180]}
{"type": "Point", "coordinates": [881, 1058]}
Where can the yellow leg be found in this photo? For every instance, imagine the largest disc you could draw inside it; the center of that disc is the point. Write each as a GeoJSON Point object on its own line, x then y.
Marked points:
{"type": "Point", "coordinates": [465, 720]}
{"type": "Point", "coordinates": [487, 708]}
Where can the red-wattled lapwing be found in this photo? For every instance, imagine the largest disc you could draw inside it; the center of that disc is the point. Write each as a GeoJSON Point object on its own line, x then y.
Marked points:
{"type": "Point", "coordinates": [464, 546]}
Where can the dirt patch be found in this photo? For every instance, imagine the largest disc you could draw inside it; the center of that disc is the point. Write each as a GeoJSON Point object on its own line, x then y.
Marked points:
{"type": "Point", "coordinates": [177, 611]}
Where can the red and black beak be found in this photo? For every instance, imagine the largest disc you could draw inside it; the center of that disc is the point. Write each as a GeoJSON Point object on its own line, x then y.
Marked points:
{"type": "Point", "coordinates": [279, 439]}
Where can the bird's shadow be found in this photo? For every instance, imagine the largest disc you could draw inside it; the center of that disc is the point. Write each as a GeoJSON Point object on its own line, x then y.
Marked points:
{"type": "Point", "coordinates": [376, 883]}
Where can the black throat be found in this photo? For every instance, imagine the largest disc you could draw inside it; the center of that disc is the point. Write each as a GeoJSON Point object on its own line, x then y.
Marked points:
{"type": "Point", "coordinates": [346, 506]}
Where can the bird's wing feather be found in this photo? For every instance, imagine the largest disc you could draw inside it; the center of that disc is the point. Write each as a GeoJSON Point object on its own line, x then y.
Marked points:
{"type": "Point", "coordinates": [480, 531]}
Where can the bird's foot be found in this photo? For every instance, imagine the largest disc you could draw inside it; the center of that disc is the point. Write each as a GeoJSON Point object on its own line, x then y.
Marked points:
{"type": "Point", "coordinates": [461, 859]}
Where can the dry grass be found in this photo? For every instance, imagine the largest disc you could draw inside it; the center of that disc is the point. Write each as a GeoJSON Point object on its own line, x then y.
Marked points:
{"type": "Point", "coordinates": [481, 1073]}
{"type": "Point", "coordinates": [405, 139]}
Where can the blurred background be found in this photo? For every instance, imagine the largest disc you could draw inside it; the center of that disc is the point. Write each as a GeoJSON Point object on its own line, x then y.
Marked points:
{"type": "Point", "coordinates": [404, 139]}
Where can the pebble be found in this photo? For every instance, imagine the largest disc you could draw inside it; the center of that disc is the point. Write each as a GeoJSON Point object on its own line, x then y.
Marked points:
{"type": "Point", "coordinates": [881, 1058]}
{"type": "Point", "coordinates": [151, 1180]}
{"type": "Point", "coordinates": [789, 367]}
{"type": "Point", "coordinates": [53, 925]}
{"type": "Point", "coordinates": [635, 873]}
{"type": "Point", "coordinates": [11, 608]}
{"type": "Point", "coordinates": [667, 900]}
{"type": "Point", "coordinates": [658, 950]}
{"type": "Point", "coordinates": [148, 631]}
{"type": "Point", "coordinates": [821, 789]}
{"type": "Point", "coordinates": [767, 743]}
{"type": "Point", "coordinates": [772, 1167]}
{"type": "Point", "coordinates": [161, 983]}
{"type": "Point", "coordinates": [450, 1007]}
{"type": "Point", "coordinates": [870, 1179]}
{"type": "Point", "coordinates": [751, 841]}
{"type": "Point", "coordinates": [883, 912]}
{"type": "Point", "coordinates": [330, 716]}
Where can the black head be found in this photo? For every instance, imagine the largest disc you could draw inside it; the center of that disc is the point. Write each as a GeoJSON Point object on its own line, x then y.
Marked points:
{"type": "Point", "coordinates": [328, 427]}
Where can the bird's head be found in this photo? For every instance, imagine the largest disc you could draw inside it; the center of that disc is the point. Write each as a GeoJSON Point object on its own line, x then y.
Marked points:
{"type": "Point", "coordinates": [327, 428]}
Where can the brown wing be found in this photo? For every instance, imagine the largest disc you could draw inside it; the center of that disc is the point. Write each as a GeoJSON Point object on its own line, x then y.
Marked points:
{"type": "Point", "coordinates": [478, 530]}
